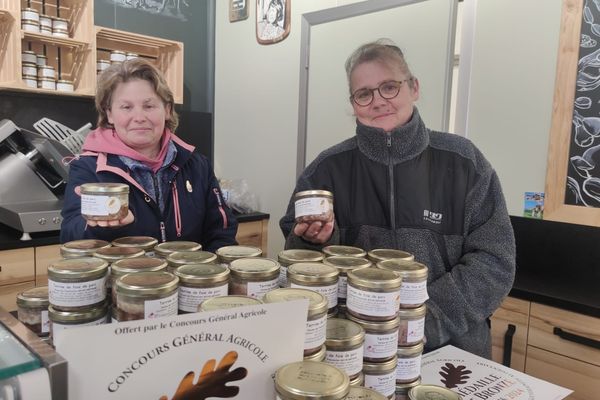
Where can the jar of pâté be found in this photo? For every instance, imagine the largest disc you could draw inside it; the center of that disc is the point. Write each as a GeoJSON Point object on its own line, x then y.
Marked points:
{"type": "Point", "coordinates": [373, 294]}
{"type": "Point", "coordinates": [103, 201]}
{"type": "Point", "coordinates": [293, 256]}
{"type": "Point", "coordinates": [310, 380]}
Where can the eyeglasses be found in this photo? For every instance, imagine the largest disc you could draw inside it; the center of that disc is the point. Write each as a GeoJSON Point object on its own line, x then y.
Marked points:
{"type": "Point", "coordinates": [388, 90]}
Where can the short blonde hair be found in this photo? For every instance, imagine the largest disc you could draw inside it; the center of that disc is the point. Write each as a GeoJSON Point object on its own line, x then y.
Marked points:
{"type": "Point", "coordinates": [137, 68]}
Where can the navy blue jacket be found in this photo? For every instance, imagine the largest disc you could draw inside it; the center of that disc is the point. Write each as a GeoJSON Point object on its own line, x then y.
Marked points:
{"type": "Point", "coordinates": [195, 210]}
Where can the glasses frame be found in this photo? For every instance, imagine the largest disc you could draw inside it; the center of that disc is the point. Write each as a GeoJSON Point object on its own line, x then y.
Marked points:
{"type": "Point", "coordinates": [401, 82]}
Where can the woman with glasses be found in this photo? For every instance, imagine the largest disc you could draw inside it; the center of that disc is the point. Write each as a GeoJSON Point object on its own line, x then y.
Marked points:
{"type": "Point", "coordinates": [397, 184]}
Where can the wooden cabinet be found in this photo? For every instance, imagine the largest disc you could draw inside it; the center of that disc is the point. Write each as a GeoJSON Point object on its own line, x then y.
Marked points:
{"type": "Point", "coordinates": [17, 273]}
{"type": "Point", "coordinates": [253, 233]}
{"type": "Point", "coordinates": [510, 324]}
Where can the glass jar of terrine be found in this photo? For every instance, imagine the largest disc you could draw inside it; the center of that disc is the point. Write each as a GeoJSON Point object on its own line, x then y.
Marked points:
{"type": "Point", "coordinates": [381, 376]}
{"type": "Point", "coordinates": [227, 254]}
{"type": "Point", "coordinates": [313, 205]}
{"type": "Point", "coordinates": [294, 256]}
{"type": "Point", "coordinates": [402, 389]}
{"type": "Point", "coordinates": [82, 248]}
{"type": "Point", "coordinates": [311, 380]}
{"type": "Point", "coordinates": [413, 292]}
{"type": "Point", "coordinates": [344, 346]}
{"type": "Point", "coordinates": [227, 302]}
{"type": "Point", "coordinates": [112, 254]}
{"type": "Point", "coordinates": [198, 282]}
{"type": "Point", "coordinates": [164, 249]}
{"type": "Point", "coordinates": [426, 392]}
{"type": "Point", "coordinates": [61, 320]}
{"type": "Point", "coordinates": [318, 277]}
{"type": "Point", "coordinates": [145, 243]}
{"type": "Point", "coordinates": [409, 363]}
{"type": "Point", "coordinates": [377, 255]}
{"type": "Point", "coordinates": [132, 266]}
{"type": "Point", "coordinates": [145, 295]}
{"type": "Point", "coordinates": [363, 393]}
{"type": "Point", "coordinates": [253, 276]}
{"type": "Point", "coordinates": [316, 328]}
{"type": "Point", "coordinates": [179, 258]}
{"type": "Point", "coordinates": [32, 310]}
{"type": "Point", "coordinates": [373, 294]}
{"type": "Point", "coordinates": [381, 338]}
{"type": "Point", "coordinates": [412, 325]}
{"type": "Point", "coordinates": [345, 264]}
{"type": "Point", "coordinates": [318, 356]}
{"type": "Point", "coordinates": [358, 380]}
{"type": "Point", "coordinates": [104, 201]}
{"type": "Point", "coordinates": [340, 250]}
{"type": "Point", "coordinates": [77, 283]}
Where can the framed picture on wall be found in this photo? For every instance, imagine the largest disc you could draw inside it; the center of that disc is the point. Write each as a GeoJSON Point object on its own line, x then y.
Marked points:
{"type": "Point", "coordinates": [272, 20]}
{"type": "Point", "coordinates": [238, 10]}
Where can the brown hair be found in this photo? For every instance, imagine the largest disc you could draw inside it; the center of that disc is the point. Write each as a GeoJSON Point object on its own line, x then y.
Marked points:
{"type": "Point", "coordinates": [137, 68]}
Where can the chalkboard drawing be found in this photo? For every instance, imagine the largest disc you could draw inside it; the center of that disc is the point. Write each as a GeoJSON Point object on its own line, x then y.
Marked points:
{"type": "Point", "coordinates": [178, 9]}
{"type": "Point", "coordinates": [272, 20]}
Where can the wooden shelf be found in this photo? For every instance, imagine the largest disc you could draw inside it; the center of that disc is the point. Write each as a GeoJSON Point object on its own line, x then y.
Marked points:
{"type": "Point", "coordinates": [21, 87]}
{"type": "Point", "coordinates": [53, 40]}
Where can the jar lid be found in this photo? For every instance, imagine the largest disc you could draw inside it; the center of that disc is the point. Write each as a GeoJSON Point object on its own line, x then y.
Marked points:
{"type": "Point", "coordinates": [144, 242]}
{"type": "Point", "coordinates": [317, 303]}
{"type": "Point", "coordinates": [52, 68]}
{"type": "Point", "coordinates": [178, 258]}
{"type": "Point", "coordinates": [137, 264]}
{"type": "Point", "coordinates": [111, 254]}
{"type": "Point", "coordinates": [30, 9]}
{"type": "Point", "coordinates": [293, 256]}
{"type": "Point", "coordinates": [147, 283]}
{"type": "Point", "coordinates": [318, 356]}
{"type": "Point", "coordinates": [103, 61]}
{"type": "Point", "coordinates": [377, 255]}
{"type": "Point", "coordinates": [34, 297]}
{"type": "Point", "coordinates": [88, 314]}
{"type": "Point", "coordinates": [403, 388]}
{"type": "Point", "coordinates": [60, 19]}
{"type": "Point", "coordinates": [374, 278]}
{"type": "Point", "coordinates": [80, 248]}
{"type": "Point", "coordinates": [254, 268]}
{"type": "Point", "coordinates": [130, 54]}
{"type": "Point", "coordinates": [28, 52]}
{"type": "Point", "coordinates": [358, 380]}
{"type": "Point", "coordinates": [425, 392]}
{"type": "Point", "coordinates": [417, 312]}
{"type": "Point", "coordinates": [60, 30]}
{"type": "Point", "coordinates": [45, 16]}
{"type": "Point", "coordinates": [26, 76]}
{"type": "Point", "coordinates": [375, 326]}
{"type": "Point", "coordinates": [344, 264]}
{"type": "Point", "coordinates": [363, 393]}
{"type": "Point", "coordinates": [311, 380]}
{"type": "Point", "coordinates": [339, 250]}
{"type": "Point", "coordinates": [117, 52]}
{"type": "Point", "coordinates": [314, 193]}
{"type": "Point", "coordinates": [29, 64]}
{"type": "Point", "coordinates": [227, 302]}
{"type": "Point", "coordinates": [46, 79]}
{"type": "Point", "coordinates": [65, 81]}
{"type": "Point", "coordinates": [41, 56]}
{"type": "Point", "coordinates": [381, 366]}
{"type": "Point", "coordinates": [410, 351]}
{"type": "Point", "coordinates": [343, 333]}
{"type": "Point", "coordinates": [102, 187]}
{"type": "Point", "coordinates": [165, 248]}
{"type": "Point", "coordinates": [230, 253]}
{"type": "Point", "coordinates": [202, 273]}
{"type": "Point", "coordinates": [28, 21]}
{"type": "Point", "coordinates": [77, 268]}
{"type": "Point", "coordinates": [407, 270]}
{"type": "Point", "coordinates": [312, 273]}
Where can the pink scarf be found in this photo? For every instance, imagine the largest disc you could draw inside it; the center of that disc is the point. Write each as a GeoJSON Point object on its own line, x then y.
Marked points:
{"type": "Point", "coordinates": [103, 140]}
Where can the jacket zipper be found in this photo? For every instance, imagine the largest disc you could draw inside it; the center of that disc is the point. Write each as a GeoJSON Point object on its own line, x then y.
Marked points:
{"type": "Point", "coordinates": [163, 230]}
{"type": "Point", "coordinates": [391, 176]}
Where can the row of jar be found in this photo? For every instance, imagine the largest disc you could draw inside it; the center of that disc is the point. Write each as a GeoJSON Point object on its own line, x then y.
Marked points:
{"type": "Point", "coordinates": [115, 57]}
{"type": "Point", "coordinates": [33, 21]}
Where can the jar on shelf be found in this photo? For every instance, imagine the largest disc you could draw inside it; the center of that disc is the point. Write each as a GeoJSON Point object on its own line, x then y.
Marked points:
{"type": "Point", "coordinates": [313, 205]}
{"type": "Point", "coordinates": [41, 60]}
{"type": "Point", "coordinates": [294, 256]}
{"type": "Point", "coordinates": [311, 380]}
{"type": "Point", "coordinates": [347, 251]}
{"type": "Point", "coordinates": [164, 249]}
{"type": "Point", "coordinates": [131, 56]}
{"type": "Point", "coordinates": [364, 393]}
{"type": "Point", "coordinates": [146, 295]}
{"type": "Point", "coordinates": [253, 276]}
{"type": "Point", "coordinates": [45, 71]}
{"type": "Point", "coordinates": [373, 294]}
{"type": "Point", "coordinates": [45, 23]}
{"type": "Point", "coordinates": [381, 376]}
{"type": "Point", "coordinates": [82, 248]}
{"type": "Point", "coordinates": [61, 320]}
{"type": "Point", "coordinates": [318, 356]}
{"type": "Point", "coordinates": [409, 363]}
{"type": "Point", "coordinates": [101, 65]}
{"type": "Point", "coordinates": [145, 243]}
{"type": "Point", "coordinates": [117, 56]}
{"type": "Point", "coordinates": [345, 264]}
{"type": "Point", "coordinates": [318, 277]}
{"type": "Point", "coordinates": [77, 283]}
{"type": "Point", "coordinates": [131, 266]}
{"type": "Point", "coordinates": [227, 302]}
{"type": "Point", "coordinates": [413, 292]}
{"type": "Point", "coordinates": [32, 310]}
{"type": "Point", "coordinates": [198, 282]}
{"type": "Point", "coordinates": [402, 389]}
{"type": "Point", "coordinates": [29, 57]}
{"type": "Point", "coordinates": [28, 69]}
{"type": "Point", "coordinates": [179, 258]}
{"type": "Point", "coordinates": [377, 255]}
{"type": "Point", "coordinates": [30, 14]}
{"type": "Point", "coordinates": [63, 33]}
{"type": "Point", "coordinates": [45, 30]}
{"type": "Point", "coordinates": [227, 254]}
{"type": "Point", "coordinates": [381, 338]}
{"type": "Point", "coordinates": [60, 24]}
{"type": "Point", "coordinates": [344, 346]}
{"type": "Point", "coordinates": [65, 85]}
{"type": "Point", "coordinates": [30, 25]}
{"type": "Point", "coordinates": [412, 325]}
{"type": "Point", "coordinates": [103, 201]}
{"type": "Point", "coordinates": [30, 81]}
{"type": "Point", "coordinates": [426, 392]}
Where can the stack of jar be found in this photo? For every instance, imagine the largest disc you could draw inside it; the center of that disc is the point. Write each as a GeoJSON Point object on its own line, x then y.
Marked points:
{"type": "Point", "coordinates": [33, 21]}
{"type": "Point", "coordinates": [36, 73]}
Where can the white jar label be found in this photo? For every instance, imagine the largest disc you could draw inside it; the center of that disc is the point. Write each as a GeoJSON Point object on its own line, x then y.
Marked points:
{"type": "Point", "coordinates": [376, 304]}
{"type": "Point", "coordinates": [342, 287]}
{"type": "Point", "coordinates": [381, 345]}
{"type": "Point", "coordinates": [76, 294]}
{"type": "Point", "coordinates": [311, 206]}
{"type": "Point", "coordinates": [56, 327]}
{"type": "Point", "coordinates": [258, 289]}
{"type": "Point", "coordinates": [415, 330]}
{"type": "Point", "coordinates": [191, 297]}
{"type": "Point", "coordinates": [408, 369]}
{"type": "Point", "coordinates": [283, 276]}
{"type": "Point", "coordinates": [164, 307]}
{"type": "Point", "coordinates": [45, 322]}
{"type": "Point", "coordinates": [384, 384]}
{"type": "Point", "coordinates": [316, 332]}
{"type": "Point", "coordinates": [350, 361]}
{"type": "Point", "coordinates": [99, 205]}
{"type": "Point", "coordinates": [330, 292]}
{"type": "Point", "coordinates": [413, 292]}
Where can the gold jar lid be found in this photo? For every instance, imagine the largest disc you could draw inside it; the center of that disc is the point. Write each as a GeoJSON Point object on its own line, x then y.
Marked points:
{"type": "Point", "coordinates": [60, 19]}
{"type": "Point", "coordinates": [42, 56]}
{"type": "Point", "coordinates": [374, 278]}
{"type": "Point", "coordinates": [227, 302]}
{"type": "Point", "coordinates": [348, 251]}
{"type": "Point", "coordinates": [343, 333]}
{"type": "Point", "coordinates": [318, 356]}
{"type": "Point", "coordinates": [46, 79]}
{"type": "Point", "coordinates": [254, 268]}
{"type": "Point", "coordinates": [82, 248]}
{"type": "Point", "coordinates": [28, 52]}
{"type": "Point", "coordinates": [27, 21]}
{"type": "Point", "coordinates": [377, 255]}
{"type": "Point", "coordinates": [413, 313]}
{"type": "Point", "coordinates": [64, 81]}
{"type": "Point", "coordinates": [403, 388]}
{"type": "Point", "coordinates": [78, 268]}
{"type": "Point", "coordinates": [407, 270]}
{"type": "Point", "coordinates": [29, 64]}
{"type": "Point", "coordinates": [358, 380]}
{"type": "Point", "coordinates": [308, 273]}
{"type": "Point", "coordinates": [101, 187]}
{"type": "Point", "coordinates": [29, 9]}
{"type": "Point", "coordinates": [112, 254]}
{"type": "Point", "coordinates": [84, 315]}
{"type": "Point", "coordinates": [117, 52]}
{"type": "Point", "coordinates": [143, 284]}
{"type": "Point", "coordinates": [375, 326]}
{"type": "Point", "coordinates": [426, 392]}
{"type": "Point", "coordinates": [143, 242]}
{"type": "Point", "coordinates": [166, 248]}
{"type": "Point", "coordinates": [344, 264]}
{"type": "Point", "coordinates": [313, 193]}
{"type": "Point", "coordinates": [410, 351]}
{"type": "Point", "coordinates": [202, 274]}
{"type": "Point", "coordinates": [382, 367]}
{"type": "Point", "coordinates": [34, 297]}
{"type": "Point", "coordinates": [363, 393]}
{"type": "Point", "coordinates": [230, 253]}
{"type": "Point", "coordinates": [293, 256]}
{"type": "Point", "coordinates": [60, 30]}
{"type": "Point", "coordinates": [305, 380]}
{"type": "Point", "coordinates": [32, 77]}
{"type": "Point", "coordinates": [178, 258]}
{"type": "Point", "coordinates": [137, 264]}
{"type": "Point", "coordinates": [317, 303]}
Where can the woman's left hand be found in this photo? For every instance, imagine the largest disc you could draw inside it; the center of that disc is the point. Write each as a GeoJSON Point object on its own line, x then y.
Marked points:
{"type": "Point", "coordinates": [114, 223]}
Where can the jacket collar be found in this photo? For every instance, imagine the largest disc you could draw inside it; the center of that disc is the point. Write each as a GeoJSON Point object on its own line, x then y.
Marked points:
{"type": "Point", "coordinates": [406, 141]}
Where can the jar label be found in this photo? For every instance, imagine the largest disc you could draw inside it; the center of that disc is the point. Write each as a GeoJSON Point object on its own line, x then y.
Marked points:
{"type": "Point", "coordinates": [377, 304]}
{"type": "Point", "coordinates": [99, 205]}
{"type": "Point", "coordinates": [258, 289]}
{"type": "Point", "coordinates": [413, 292]}
{"type": "Point", "coordinates": [381, 345]}
{"type": "Point", "coordinates": [311, 206]}
{"type": "Point", "coordinates": [316, 332]}
{"type": "Point", "coordinates": [384, 384]}
{"type": "Point", "coordinates": [342, 287]}
{"type": "Point", "coordinates": [283, 276]}
{"type": "Point", "coordinates": [56, 327]}
{"type": "Point", "coordinates": [76, 294]}
{"type": "Point", "coordinates": [408, 369]}
{"type": "Point", "coordinates": [45, 322]}
{"type": "Point", "coordinates": [411, 331]}
{"type": "Point", "coordinates": [191, 297]}
{"type": "Point", "coordinates": [330, 292]}
{"type": "Point", "coordinates": [349, 361]}
{"type": "Point", "coordinates": [165, 307]}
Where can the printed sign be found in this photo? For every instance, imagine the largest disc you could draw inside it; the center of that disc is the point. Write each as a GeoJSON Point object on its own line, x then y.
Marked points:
{"type": "Point", "coordinates": [218, 354]}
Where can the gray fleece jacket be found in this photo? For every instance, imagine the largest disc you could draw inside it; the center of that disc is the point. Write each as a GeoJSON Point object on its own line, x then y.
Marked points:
{"type": "Point", "coordinates": [432, 194]}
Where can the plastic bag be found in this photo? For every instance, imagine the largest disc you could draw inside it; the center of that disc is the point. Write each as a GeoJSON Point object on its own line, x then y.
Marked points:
{"type": "Point", "coordinates": [238, 196]}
